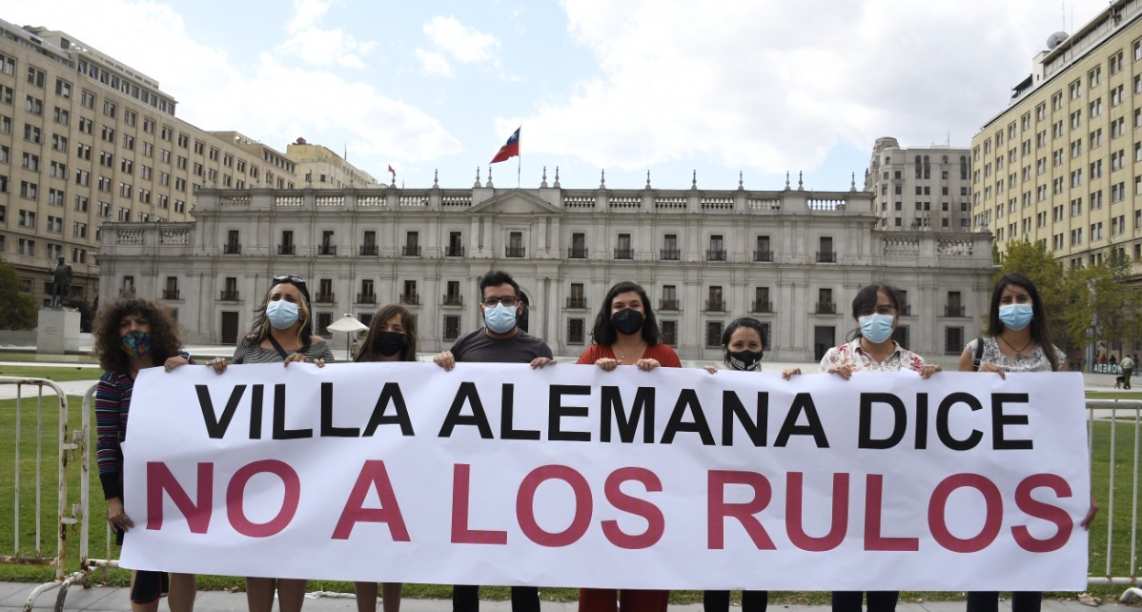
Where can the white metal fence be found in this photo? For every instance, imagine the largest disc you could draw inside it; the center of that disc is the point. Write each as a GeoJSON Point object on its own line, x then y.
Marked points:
{"type": "Point", "coordinates": [1109, 419]}
{"type": "Point", "coordinates": [29, 412]}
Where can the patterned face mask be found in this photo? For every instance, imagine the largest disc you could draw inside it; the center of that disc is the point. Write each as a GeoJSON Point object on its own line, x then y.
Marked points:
{"type": "Point", "coordinates": [137, 344]}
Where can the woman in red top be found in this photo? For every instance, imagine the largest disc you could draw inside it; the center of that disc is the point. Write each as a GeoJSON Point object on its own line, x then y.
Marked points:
{"type": "Point", "coordinates": [626, 333]}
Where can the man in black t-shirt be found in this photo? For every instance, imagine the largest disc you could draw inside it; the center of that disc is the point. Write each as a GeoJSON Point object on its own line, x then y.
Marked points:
{"type": "Point", "coordinates": [499, 341]}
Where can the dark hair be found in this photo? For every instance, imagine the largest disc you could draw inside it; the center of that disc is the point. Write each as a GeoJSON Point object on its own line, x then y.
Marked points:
{"type": "Point", "coordinates": [749, 322]}
{"type": "Point", "coordinates": [1039, 331]}
{"type": "Point", "coordinates": [260, 326]}
{"type": "Point", "coordinates": [407, 321]}
{"type": "Point", "coordinates": [865, 303]}
{"type": "Point", "coordinates": [109, 345]}
{"type": "Point", "coordinates": [738, 323]}
{"type": "Point", "coordinates": [496, 278]}
{"type": "Point", "coordinates": [604, 333]}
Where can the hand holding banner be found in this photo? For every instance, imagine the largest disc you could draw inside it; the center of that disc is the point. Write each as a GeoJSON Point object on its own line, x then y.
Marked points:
{"type": "Point", "coordinates": [569, 476]}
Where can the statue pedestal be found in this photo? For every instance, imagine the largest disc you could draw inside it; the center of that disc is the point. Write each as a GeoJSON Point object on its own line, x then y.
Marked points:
{"type": "Point", "coordinates": [57, 331]}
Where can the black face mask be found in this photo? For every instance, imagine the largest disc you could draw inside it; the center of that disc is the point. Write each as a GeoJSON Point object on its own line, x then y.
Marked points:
{"type": "Point", "coordinates": [627, 320]}
{"type": "Point", "coordinates": [745, 361]}
{"type": "Point", "coordinates": [389, 343]}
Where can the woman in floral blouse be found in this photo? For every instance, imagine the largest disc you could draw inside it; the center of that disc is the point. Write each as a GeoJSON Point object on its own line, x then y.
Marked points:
{"type": "Point", "coordinates": [872, 349]}
{"type": "Point", "coordinates": [876, 309]}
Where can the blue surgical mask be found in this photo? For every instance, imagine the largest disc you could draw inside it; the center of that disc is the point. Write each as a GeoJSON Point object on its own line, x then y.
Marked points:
{"type": "Point", "coordinates": [282, 314]}
{"type": "Point", "coordinates": [876, 328]}
{"type": "Point", "coordinates": [1016, 316]}
{"type": "Point", "coordinates": [500, 319]}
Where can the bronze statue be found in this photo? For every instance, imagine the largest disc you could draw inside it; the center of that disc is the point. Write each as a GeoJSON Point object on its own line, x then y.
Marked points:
{"type": "Point", "coordinates": [61, 285]}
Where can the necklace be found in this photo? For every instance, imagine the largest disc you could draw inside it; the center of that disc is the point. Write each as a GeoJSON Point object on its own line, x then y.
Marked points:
{"type": "Point", "coordinates": [1018, 351]}
{"type": "Point", "coordinates": [626, 358]}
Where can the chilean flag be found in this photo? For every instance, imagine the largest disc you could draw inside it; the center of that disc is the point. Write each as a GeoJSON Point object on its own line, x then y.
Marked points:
{"type": "Point", "coordinates": [509, 150]}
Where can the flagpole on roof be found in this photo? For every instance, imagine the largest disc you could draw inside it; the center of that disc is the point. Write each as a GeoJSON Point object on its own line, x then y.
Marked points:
{"type": "Point", "coordinates": [519, 162]}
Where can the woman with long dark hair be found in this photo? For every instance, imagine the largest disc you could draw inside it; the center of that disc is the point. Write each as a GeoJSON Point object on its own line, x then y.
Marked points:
{"type": "Point", "coordinates": [1017, 340]}
{"type": "Point", "coordinates": [876, 309]}
{"type": "Point", "coordinates": [131, 335]}
{"type": "Point", "coordinates": [281, 332]}
{"type": "Point", "coordinates": [391, 337]}
{"type": "Point", "coordinates": [626, 333]}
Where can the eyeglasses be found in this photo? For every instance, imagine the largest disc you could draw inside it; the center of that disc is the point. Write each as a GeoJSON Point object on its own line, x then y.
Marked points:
{"type": "Point", "coordinates": [507, 300]}
{"type": "Point", "coordinates": [288, 278]}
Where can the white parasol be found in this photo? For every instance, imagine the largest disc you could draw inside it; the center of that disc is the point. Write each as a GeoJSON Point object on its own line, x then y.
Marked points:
{"type": "Point", "coordinates": [350, 325]}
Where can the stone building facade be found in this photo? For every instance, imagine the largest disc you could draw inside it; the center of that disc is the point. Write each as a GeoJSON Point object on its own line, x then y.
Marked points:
{"type": "Point", "coordinates": [920, 188]}
{"type": "Point", "coordinates": [793, 259]}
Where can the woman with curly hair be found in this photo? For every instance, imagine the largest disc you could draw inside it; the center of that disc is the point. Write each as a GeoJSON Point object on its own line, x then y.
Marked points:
{"type": "Point", "coordinates": [391, 337]}
{"type": "Point", "coordinates": [131, 335]}
{"type": "Point", "coordinates": [282, 332]}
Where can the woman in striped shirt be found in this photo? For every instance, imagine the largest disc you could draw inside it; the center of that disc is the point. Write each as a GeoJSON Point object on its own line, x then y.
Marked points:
{"type": "Point", "coordinates": [131, 335]}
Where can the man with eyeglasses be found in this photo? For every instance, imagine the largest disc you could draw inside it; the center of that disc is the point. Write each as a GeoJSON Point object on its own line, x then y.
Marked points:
{"type": "Point", "coordinates": [499, 341]}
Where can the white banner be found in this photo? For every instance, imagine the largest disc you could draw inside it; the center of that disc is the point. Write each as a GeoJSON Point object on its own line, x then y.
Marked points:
{"type": "Point", "coordinates": [570, 476]}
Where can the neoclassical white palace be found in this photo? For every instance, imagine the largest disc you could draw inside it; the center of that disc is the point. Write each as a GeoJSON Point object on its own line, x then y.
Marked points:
{"type": "Point", "coordinates": [791, 258]}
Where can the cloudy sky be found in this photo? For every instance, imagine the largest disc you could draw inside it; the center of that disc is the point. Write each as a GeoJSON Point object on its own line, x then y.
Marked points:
{"type": "Point", "coordinates": [668, 86]}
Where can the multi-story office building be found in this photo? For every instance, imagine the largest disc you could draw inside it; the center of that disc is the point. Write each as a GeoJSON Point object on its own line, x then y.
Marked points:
{"type": "Point", "coordinates": [1062, 165]}
{"type": "Point", "coordinates": [920, 188]}
{"type": "Point", "coordinates": [85, 139]}
{"type": "Point", "coordinates": [323, 169]}
{"type": "Point", "coordinates": [794, 259]}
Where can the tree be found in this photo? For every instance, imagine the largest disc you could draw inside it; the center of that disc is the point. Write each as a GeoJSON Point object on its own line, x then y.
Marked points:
{"type": "Point", "coordinates": [17, 310]}
{"type": "Point", "coordinates": [1116, 319]}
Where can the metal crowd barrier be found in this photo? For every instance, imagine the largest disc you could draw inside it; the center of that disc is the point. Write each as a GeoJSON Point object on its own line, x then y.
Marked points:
{"type": "Point", "coordinates": [1115, 414]}
{"type": "Point", "coordinates": [69, 444]}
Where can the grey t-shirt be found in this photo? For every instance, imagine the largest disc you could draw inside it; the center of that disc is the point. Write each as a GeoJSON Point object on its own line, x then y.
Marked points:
{"type": "Point", "coordinates": [480, 347]}
{"type": "Point", "coordinates": [253, 353]}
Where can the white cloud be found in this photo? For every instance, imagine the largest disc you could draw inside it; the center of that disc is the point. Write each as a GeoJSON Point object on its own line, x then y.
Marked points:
{"type": "Point", "coordinates": [274, 99]}
{"type": "Point", "coordinates": [434, 63]}
{"type": "Point", "coordinates": [464, 44]}
{"type": "Point", "coordinates": [777, 85]}
{"type": "Point", "coordinates": [317, 46]}
{"type": "Point", "coordinates": [306, 14]}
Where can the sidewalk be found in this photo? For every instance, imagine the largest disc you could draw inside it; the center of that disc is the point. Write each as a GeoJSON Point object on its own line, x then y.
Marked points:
{"type": "Point", "coordinates": [13, 594]}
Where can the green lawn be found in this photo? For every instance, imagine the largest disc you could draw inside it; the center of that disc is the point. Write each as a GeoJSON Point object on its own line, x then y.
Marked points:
{"type": "Point", "coordinates": [57, 374]}
{"type": "Point", "coordinates": [1124, 434]}
{"type": "Point", "coordinates": [1123, 395]}
{"type": "Point", "coordinates": [46, 358]}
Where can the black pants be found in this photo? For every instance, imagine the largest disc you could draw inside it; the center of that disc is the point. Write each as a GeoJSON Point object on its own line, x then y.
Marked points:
{"type": "Point", "coordinates": [1126, 374]}
{"type": "Point", "coordinates": [466, 598]}
{"type": "Point", "coordinates": [149, 586]}
{"type": "Point", "coordinates": [719, 601]}
{"type": "Point", "coordinates": [878, 601]}
{"type": "Point", "coordinates": [1021, 601]}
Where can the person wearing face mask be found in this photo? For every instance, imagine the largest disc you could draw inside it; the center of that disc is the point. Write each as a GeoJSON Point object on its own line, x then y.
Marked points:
{"type": "Point", "coordinates": [499, 341]}
{"type": "Point", "coordinates": [131, 335]}
{"type": "Point", "coordinates": [626, 333]}
{"type": "Point", "coordinates": [872, 349]}
{"type": "Point", "coordinates": [281, 332]}
{"type": "Point", "coordinates": [1017, 341]}
{"type": "Point", "coordinates": [744, 344]}
{"type": "Point", "coordinates": [391, 337]}
{"type": "Point", "coordinates": [282, 329]}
